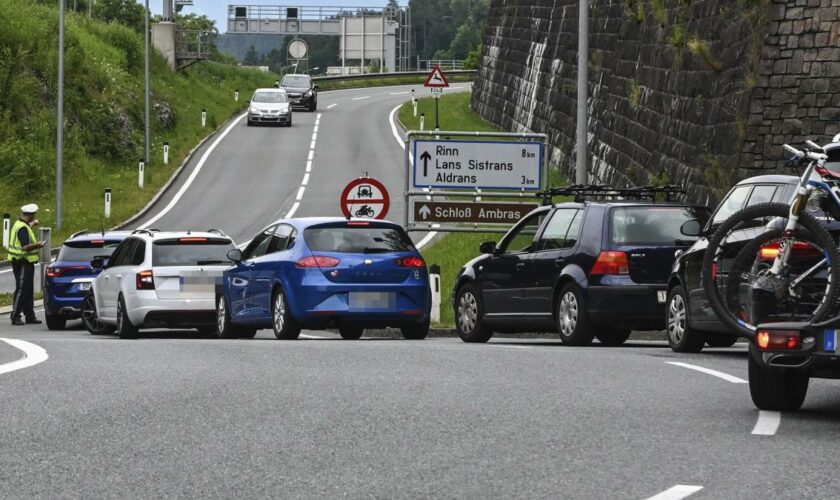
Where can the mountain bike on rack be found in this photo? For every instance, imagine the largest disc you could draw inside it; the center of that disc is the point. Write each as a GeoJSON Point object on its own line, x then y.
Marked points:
{"type": "Point", "coordinates": [773, 262]}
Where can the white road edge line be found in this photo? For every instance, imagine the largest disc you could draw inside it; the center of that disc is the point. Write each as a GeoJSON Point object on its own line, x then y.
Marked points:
{"type": "Point", "coordinates": [767, 423]}
{"type": "Point", "coordinates": [511, 346]}
{"type": "Point", "coordinates": [291, 212]}
{"type": "Point", "coordinates": [193, 175]}
{"type": "Point", "coordinates": [331, 106]}
{"type": "Point", "coordinates": [394, 130]}
{"type": "Point", "coordinates": [361, 98]}
{"type": "Point", "coordinates": [677, 492]}
{"type": "Point", "coordinates": [708, 371]}
{"type": "Point", "coordinates": [32, 355]}
{"type": "Point", "coordinates": [400, 93]}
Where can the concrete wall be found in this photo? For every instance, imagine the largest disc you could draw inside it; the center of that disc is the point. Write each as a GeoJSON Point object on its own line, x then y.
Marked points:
{"type": "Point", "coordinates": [680, 91]}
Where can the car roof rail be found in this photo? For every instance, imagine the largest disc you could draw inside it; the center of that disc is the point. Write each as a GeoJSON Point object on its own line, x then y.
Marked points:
{"type": "Point", "coordinates": [78, 233]}
{"type": "Point", "coordinates": [584, 192]}
{"type": "Point", "coordinates": [150, 232]}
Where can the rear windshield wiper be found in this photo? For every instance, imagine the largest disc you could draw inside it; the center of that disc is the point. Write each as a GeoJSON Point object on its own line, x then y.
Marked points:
{"type": "Point", "coordinates": [209, 262]}
{"type": "Point", "coordinates": [377, 250]}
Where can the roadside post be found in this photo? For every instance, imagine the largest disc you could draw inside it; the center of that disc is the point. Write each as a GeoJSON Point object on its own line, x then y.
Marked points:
{"type": "Point", "coordinates": [414, 103]}
{"type": "Point", "coordinates": [413, 98]}
{"type": "Point", "coordinates": [436, 82]}
{"type": "Point", "coordinates": [203, 117]}
{"type": "Point", "coordinates": [44, 253]}
{"type": "Point", "coordinates": [422, 121]}
{"type": "Point", "coordinates": [141, 167]}
{"type": "Point", "coordinates": [434, 284]}
{"type": "Point", "coordinates": [6, 226]}
{"type": "Point", "coordinates": [236, 95]}
{"type": "Point", "coordinates": [108, 203]}
{"type": "Point", "coordinates": [166, 153]}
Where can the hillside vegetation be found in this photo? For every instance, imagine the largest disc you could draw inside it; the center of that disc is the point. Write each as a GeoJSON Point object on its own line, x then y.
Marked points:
{"type": "Point", "coordinates": [103, 113]}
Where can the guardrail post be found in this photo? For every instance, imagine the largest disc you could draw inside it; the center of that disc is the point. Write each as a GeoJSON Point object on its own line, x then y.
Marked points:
{"type": "Point", "coordinates": [141, 170]}
{"type": "Point", "coordinates": [203, 117]}
{"type": "Point", "coordinates": [434, 284]}
{"type": "Point", "coordinates": [108, 203]}
{"type": "Point", "coordinates": [166, 153]}
{"type": "Point", "coordinates": [44, 254]}
{"type": "Point", "coordinates": [7, 220]}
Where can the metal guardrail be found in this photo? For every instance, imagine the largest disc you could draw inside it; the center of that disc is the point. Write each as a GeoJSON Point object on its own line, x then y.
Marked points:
{"type": "Point", "coordinates": [302, 13]}
{"type": "Point", "coordinates": [374, 76]}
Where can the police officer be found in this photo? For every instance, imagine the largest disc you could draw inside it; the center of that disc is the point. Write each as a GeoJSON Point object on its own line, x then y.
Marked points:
{"type": "Point", "coordinates": [23, 252]}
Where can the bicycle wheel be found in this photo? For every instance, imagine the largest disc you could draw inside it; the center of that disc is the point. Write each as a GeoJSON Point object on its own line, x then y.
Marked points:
{"type": "Point", "coordinates": [736, 269]}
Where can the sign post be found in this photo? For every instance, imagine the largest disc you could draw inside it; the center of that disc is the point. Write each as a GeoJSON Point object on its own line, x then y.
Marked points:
{"type": "Point", "coordinates": [436, 82]}
{"type": "Point", "coordinates": [365, 198]}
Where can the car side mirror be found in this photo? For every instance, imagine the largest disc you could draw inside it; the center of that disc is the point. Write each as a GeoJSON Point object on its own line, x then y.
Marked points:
{"type": "Point", "coordinates": [97, 264]}
{"type": "Point", "coordinates": [235, 255]}
{"type": "Point", "coordinates": [316, 86]}
{"type": "Point", "coordinates": [488, 247]}
{"type": "Point", "coordinates": [691, 228]}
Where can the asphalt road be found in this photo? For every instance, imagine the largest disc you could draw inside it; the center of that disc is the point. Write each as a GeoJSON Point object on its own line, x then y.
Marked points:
{"type": "Point", "coordinates": [177, 415]}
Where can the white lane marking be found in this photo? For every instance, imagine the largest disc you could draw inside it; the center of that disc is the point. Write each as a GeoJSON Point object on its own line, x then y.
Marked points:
{"type": "Point", "coordinates": [312, 144]}
{"type": "Point", "coordinates": [311, 336]}
{"type": "Point", "coordinates": [193, 175]}
{"type": "Point", "coordinates": [309, 166]}
{"type": "Point", "coordinates": [394, 130]}
{"type": "Point", "coordinates": [305, 180]}
{"type": "Point", "coordinates": [315, 135]}
{"type": "Point", "coordinates": [767, 423]}
{"type": "Point", "coordinates": [400, 93]}
{"type": "Point", "coordinates": [361, 98]}
{"type": "Point", "coordinates": [291, 212]}
{"type": "Point", "coordinates": [311, 155]}
{"type": "Point", "coordinates": [300, 193]}
{"type": "Point", "coordinates": [315, 130]}
{"type": "Point", "coordinates": [331, 106]}
{"type": "Point", "coordinates": [511, 346]}
{"type": "Point", "coordinates": [708, 371]}
{"type": "Point", "coordinates": [677, 492]}
{"type": "Point", "coordinates": [32, 355]}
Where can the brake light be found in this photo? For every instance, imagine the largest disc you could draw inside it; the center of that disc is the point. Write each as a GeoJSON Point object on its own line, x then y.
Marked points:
{"type": "Point", "coordinates": [317, 261]}
{"type": "Point", "coordinates": [54, 272]}
{"type": "Point", "coordinates": [192, 239]}
{"type": "Point", "coordinates": [145, 280]}
{"type": "Point", "coordinates": [97, 242]}
{"type": "Point", "coordinates": [777, 339]}
{"type": "Point", "coordinates": [358, 223]}
{"type": "Point", "coordinates": [611, 263]}
{"type": "Point", "coordinates": [801, 248]}
{"type": "Point", "coordinates": [714, 270]}
{"type": "Point", "coordinates": [414, 262]}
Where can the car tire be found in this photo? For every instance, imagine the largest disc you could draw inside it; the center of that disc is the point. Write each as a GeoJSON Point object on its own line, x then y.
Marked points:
{"type": "Point", "coordinates": [125, 329]}
{"type": "Point", "coordinates": [415, 332]}
{"type": "Point", "coordinates": [313, 106]}
{"type": "Point", "coordinates": [351, 332]}
{"type": "Point", "coordinates": [469, 315]}
{"type": "Point", "coordinates": [285, 326]}
{"type": "Point", "coordinates": [224, 327]}
{"type": "Point", "coordinates": [613, 337]}
{"type": "Point", "coordinates": [55, 322]}
{"type": "Point", "coordinates": [249, 123]}
{"type": "Point", "coordinates": [573, 323]}
{"type": "Point", "coordinates": [776, 389]}
{"type": "Point", "coordinates": [89, 319]}
{"type": "Point", "coordinates": [681, 337]}
{"type": "Point", "coordinates": [720, 340]}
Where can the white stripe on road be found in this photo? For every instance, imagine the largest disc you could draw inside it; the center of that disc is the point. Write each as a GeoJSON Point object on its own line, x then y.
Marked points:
{"type": "Point", "coordinates": [394, 130]}
{"type": "Point", "coordinates": [303, 335]}
{"type": "Point", "coordinates": [291, 212]}
{"type": "Point", "coordinates": [401, 93]}
{"type": "Point", "coordinates": [511, 346]}
{"type": "Point", "coordinates": [677, 492]}
{"type": "Point", "coordinates": [32, 355]}
{"type": "Point", "coordinates": [708, 371]}
{"type": "Point", "coordinates": [331, 106]}
{"type": "Point", "coordinates": [311, 155]}
{"type": "Point", "coordinates": [305, 179]}
{"type": "Point", "coordinates": [300, 193]}
{"type": "Point", "coordinates": [767, 423]}
{"type": "Point", "coordinates": [193, 175]}
{"type": "Point", "coordinates": [309, 165]}
{"type": "Point", "coordinates": [361, 98]}
{"type": "Point", "coordinates": [312, 144]}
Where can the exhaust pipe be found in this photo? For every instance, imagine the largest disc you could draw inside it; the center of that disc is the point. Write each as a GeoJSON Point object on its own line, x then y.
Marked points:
{"type": "Point", "coordinates": [788, 361]}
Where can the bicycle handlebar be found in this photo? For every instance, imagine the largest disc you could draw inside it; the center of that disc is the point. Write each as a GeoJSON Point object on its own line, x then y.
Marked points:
{"type": "Point", "coordinates": [818, 155]}
{"type": "Point", "coordinates": [792, 150]}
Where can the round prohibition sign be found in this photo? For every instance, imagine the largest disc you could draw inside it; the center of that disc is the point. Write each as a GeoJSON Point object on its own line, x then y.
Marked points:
{"type": "Point", "coordinates": [366, 198]}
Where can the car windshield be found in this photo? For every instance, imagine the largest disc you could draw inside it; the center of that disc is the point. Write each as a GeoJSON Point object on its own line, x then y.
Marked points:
{"type": "Point", "coordinates": [362, 239]}
{"type": "Point", "coordinates": [191, 251]}
{"type": "Point", "coordinates": [85, 251]}
{"type": "Point", "coordinates": [270, 97]}
{"type": "Point", "coordinates": [295, 81]}
{"type": "Point", "coordinates": [653, 226]}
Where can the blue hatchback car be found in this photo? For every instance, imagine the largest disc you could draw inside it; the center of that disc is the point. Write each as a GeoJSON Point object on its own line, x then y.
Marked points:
{"type": "Point", "coordinates": [319, 273]}
{"type": "Point", "coordinates": [583, 269]}
{"type": "Point", "coordinates": [69, 276]}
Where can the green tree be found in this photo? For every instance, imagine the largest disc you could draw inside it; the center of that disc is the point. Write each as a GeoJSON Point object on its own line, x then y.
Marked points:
{"type": "Point", "coordinates": [465, 41]}
{"type": "Point", "coordinates": [473, 60]}
{"type": "Point", "coordinates": [127, 12]}
{"type": "Point", "coordinates": [251, 57]}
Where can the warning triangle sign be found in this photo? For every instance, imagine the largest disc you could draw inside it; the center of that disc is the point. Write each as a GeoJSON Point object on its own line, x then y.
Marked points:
{"type": "Point", "coordinates": [436, 79]}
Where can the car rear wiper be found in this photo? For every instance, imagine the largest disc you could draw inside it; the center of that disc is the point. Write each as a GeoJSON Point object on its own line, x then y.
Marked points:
{"type": "Point", "coordinates": [377, 250]}
{"type": "Point", "coordinates": [209, 262]}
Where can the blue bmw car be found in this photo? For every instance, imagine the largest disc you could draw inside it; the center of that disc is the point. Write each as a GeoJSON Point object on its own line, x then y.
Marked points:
{"type": "Point", "coordinates": [319, 273]}
{"type": "Point", "coordinates": [69, 276]}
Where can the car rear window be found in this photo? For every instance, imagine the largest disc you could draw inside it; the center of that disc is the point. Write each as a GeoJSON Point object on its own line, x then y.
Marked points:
{"type": "Point", "coordinates": [85, 251]}
{"type": "Point", "coordinates": [654, 226]}
{"type": "Point", "coordinates": [295, 81]}
{"type": "Point", "coordinates": [358, 239]}
{"type": "Point", "coordinates": [191, 251]}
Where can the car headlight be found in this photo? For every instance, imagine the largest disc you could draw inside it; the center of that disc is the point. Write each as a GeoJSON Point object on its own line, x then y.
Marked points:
{"type": "Point", "coordinates": [308, 93]}
{"type": "Point", "coordinates": [254, 111]}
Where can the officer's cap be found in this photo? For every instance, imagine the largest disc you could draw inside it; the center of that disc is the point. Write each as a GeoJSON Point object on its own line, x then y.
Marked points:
{"type": "Point", "coordinates": [29, 209]}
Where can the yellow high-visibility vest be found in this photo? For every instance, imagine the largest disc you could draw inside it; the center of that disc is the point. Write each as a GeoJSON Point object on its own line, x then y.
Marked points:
{"type": "Point", "coordinates": [16, 250]}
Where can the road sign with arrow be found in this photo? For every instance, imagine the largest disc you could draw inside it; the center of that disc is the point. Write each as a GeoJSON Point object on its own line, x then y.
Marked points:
{"type": "Point", "coordinates": [470, 212]}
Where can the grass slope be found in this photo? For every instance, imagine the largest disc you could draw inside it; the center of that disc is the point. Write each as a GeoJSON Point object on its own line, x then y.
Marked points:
{"type": "Point", "coordinates": [103, 114]}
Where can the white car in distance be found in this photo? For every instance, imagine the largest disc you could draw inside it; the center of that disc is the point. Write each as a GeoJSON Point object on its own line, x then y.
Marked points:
{"type": "Point", "coordinates": [270, 106]}
{"type": "Point", "coordinates": [160, 280]}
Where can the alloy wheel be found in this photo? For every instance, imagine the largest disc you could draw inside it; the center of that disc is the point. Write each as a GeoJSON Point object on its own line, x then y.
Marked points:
{"type": "Point", "coordinates": [467, 312]}
{"type": "Point", "coordinates": [89, 317]}
{"type": "Point", "coordinates": [676, 318]}
{"type": "Point", "coordinates": [279, 312]}
{"type": "Point", "coordinates": [221, 313]}
{"type": "Point", "coordinates": [568, 313]}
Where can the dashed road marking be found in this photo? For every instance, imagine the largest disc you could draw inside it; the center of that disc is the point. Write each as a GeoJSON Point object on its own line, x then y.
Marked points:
{"type": "Point", "coordinates": [32, 355]}
{"type": "Point", "coordinates": [709, 371]}
{"type": "Point", "coordinates": [331, 106]}
{"type": "Point", "coordinates": [361, 98]}
{"type": "Point", "coordinates": [767, 423]}
{"type": "Point", "coordinates": [401, 93]}
{"type": "Point", "coordinates": [677, 492]}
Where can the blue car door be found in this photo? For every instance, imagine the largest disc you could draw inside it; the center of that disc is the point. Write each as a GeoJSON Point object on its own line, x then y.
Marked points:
{"type": "Point", "coordinates": [242, 304]}
{"type": "Point", "coordinates": [266, 267]}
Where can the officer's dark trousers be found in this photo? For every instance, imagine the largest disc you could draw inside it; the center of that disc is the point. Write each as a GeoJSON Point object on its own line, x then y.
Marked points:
{"type": "Point", "coordinates": [24, 288]}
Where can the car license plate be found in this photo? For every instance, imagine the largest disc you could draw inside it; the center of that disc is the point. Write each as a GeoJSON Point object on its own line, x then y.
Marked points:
{"type": "Point", "coordinates": [830, 341]}
{"type": "Point", "coordinates": [372, 300]}
{"type": "Point", "coordinates": [84, 287]}
{"type": "Point", "coordinates": [197, 283]}
{"type": "Point", "coordinates": [295, 101]}
{"type": "Point", "coordinates": [661, 296]}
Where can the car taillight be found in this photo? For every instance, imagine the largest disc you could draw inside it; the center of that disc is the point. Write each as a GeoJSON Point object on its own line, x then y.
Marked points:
{"type": "Point", "coordinates": [192, 239]}
{"type": "Point", "coordinates": [800, 248]}
{"type": "Point", "coordinates": [777, 339]}
{"type": "Point", "coordinates": [54, 272]}
{"type": "Point", "coordinates": [145, 280]}
{"type": "Point", "coordinates": [414, 262]}
{"type": "Point", "coordinates": [357, 223]}
{"type": "Point", "coordinates": [317, 261]}
{"type": "Point", "coordinates": [611, 263]}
